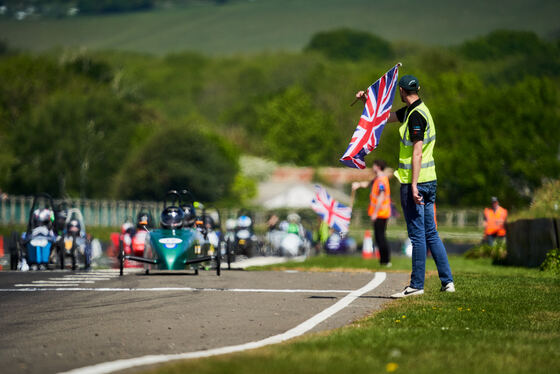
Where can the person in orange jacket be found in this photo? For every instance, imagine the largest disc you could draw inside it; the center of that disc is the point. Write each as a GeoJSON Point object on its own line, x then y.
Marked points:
{"type": "Point", "coordinates": [495, 222]}
{"type": "Point", "coordinates": [379, 208]}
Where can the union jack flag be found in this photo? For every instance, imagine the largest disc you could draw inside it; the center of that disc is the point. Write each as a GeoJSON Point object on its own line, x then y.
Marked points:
{"type": "Point", "coordinates": [334, 213]}
{"type": "Point", "coordinates": [376, 112]}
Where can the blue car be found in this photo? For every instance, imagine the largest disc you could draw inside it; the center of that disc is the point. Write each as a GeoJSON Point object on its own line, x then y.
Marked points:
{"type": "Point", "coordinates": [38, 241]}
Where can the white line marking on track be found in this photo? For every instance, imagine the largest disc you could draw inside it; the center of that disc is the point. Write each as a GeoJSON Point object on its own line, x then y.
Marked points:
{"type": "Point", "coordinates": [38, 282]}
{"type": "Point", "coordinates": [77, 279]}
{"type": "Point", "coordinates": [70, 280]}
{"type": "Point", "coordinates": [165, 289]}
{"type": "Point", "coordinates": [109, 367]}
{"type": "Point", "coordinates": [105, 276]}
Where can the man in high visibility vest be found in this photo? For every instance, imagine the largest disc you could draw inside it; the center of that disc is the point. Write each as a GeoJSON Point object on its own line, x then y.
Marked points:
{"type": "Point", "coordinates": [495, 222]}
{"type": "Point", "coordinates": [379, 208]}
{"type": "Point", "coordinates": [417, 174]}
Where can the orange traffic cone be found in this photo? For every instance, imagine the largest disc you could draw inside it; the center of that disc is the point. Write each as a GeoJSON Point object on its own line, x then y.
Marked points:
{"type": "Point", "coordinates": [367, 247]}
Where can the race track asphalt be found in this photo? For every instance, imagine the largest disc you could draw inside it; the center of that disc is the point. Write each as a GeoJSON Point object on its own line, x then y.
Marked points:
{"type": "Point", "coordinates": [46, 327]}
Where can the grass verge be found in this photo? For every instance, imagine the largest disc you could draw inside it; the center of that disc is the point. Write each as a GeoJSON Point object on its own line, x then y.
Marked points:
{"type": "Point", "coordinates": [504, 320]}
{"type": "Point", "coordinates": [399, 263]}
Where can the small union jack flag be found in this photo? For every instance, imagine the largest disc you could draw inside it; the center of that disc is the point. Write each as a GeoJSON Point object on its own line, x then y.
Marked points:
{"type": "Point", "coordinates": [376, 112]}
{"type": "Point", "coordinates": [334, 213]}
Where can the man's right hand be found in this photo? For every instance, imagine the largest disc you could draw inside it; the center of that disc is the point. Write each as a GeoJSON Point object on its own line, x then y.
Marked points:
{"type": "Point", "coordinates": [416, 196]}
{"type": "Point", "coordinates": [361, 95]}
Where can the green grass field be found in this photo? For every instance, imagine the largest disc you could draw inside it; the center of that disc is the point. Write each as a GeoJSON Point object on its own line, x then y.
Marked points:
{"type": "Point", "coordinates": [500, 320]}
{"type": "Point", "coordinates": [272, 25]}
{"type": "Point", "coordinates": [354, 263]}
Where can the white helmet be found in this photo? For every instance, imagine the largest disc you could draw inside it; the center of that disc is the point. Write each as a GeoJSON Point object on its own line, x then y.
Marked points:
{"type": "Point", "coordinates": [294, 218]}
{"type": "Point", "coordinates": [230, 224]}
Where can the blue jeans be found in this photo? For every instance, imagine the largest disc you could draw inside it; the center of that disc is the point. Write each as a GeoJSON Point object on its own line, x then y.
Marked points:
{"type": "Point", "coordinates": [421, 227]}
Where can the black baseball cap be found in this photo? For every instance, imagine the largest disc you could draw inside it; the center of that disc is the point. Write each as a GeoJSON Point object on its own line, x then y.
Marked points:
{"type": "Point", "coordinates": [409, 83]}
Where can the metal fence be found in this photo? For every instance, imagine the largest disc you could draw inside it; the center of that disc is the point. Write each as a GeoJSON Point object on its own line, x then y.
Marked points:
{"type": "Point", "coordinates": [16, 209]}
{"type": "Point", "coordinates": [448, 217]}
{"type": "Point", "coordinates": [112, 213]}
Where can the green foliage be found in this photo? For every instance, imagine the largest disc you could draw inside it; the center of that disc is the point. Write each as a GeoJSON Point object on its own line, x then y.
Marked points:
{"type": "Point", "coordinates": [435, 61]}
{"type": "Point", "coordinates": [243, 189]}
{"type": "Point", "coordinates": [74, 143]}
{"type": "Point", "coordinates": [64, 131]}
{"type": "Point", "coordinates": [546, 202]}
{"type": "Point", "coordinates": [496, 252]}
{"type": "Point", "coordinates": [350, 44]}
{"type": "Point", "coordinates": [97, 70]}
{"type": "Point", "coordinates": [503, 43]}
{"type": "Point", "coordinates": [3, 47]}
{"type": "Point", "coordinates": [25, 80]}
{"type": "Point", "coordinates": [552, 262]}
{"type": "Point", "coordinates": [296, 131]}
{"type": "Point", "coordinates": [508, 138]}
{"type": "Point", "coordinates": [178, 157]}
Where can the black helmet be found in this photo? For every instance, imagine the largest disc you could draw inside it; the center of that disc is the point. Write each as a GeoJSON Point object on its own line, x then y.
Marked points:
{"type": "Point", "coordinates": [209, 222]}
{"type": "Point", "coordinates": [172, 218]}
{"type": "Point", "coordinates": [60, 219]}
{"type": "Point", "coordinates": [190, 215]}
{"type": "Point", "coordinates": [73, 227]}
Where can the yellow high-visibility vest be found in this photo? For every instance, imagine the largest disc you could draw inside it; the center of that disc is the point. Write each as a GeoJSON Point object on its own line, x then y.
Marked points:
{"type": "Point", "coordinates": [428, 166]}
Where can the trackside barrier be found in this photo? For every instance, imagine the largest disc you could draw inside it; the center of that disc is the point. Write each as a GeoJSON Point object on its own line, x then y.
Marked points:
{"type": "Point", "coordinates": [528, 240]}
{"type": "Point", "coordinates": [15, 210]}
{"type": "Point", "coordinates": [445, 217]}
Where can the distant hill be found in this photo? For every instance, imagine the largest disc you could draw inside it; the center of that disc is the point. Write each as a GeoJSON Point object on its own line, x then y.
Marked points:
{"type": "Point", "coordinates": [248, 26]}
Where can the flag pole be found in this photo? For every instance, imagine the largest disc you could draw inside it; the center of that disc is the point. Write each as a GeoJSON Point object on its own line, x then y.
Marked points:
{"type": "Point", "coordinates": [356, 99]}
{"type": "Point", "coordinates": [399, 64]}
{"type": "Point", "coordinates": [352, 196]}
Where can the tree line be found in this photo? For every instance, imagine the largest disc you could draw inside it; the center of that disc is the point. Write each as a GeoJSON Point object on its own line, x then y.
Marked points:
{"type": "Point", "coordinates": [126, 125]}
{"type": "Point", "coordinates": [59, 8]}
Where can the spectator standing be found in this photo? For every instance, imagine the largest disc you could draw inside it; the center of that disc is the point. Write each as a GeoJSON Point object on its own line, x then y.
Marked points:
{"type": "Point", "coordinates": [379, 208]}
{"type": "Point", "coordinates": [495, 222]}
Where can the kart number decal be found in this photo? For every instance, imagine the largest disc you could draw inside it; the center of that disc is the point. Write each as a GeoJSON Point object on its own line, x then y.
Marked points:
{"type": "Point", "coordinates": [170, 242]}
{"type": "Point", "coordinates": [39, 242]}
